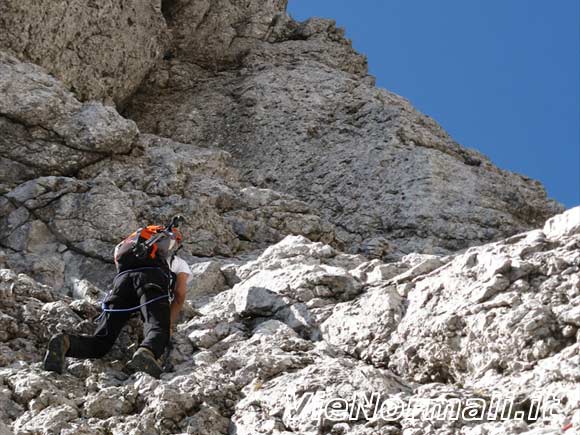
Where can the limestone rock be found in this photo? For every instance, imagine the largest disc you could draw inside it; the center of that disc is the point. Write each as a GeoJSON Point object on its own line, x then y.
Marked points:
{"type": "Point", "coordinates": [73, 171]}
{"type": "Point", "coordinates": [296, 400]}
{"type": "Point", "coordinates": [193, 28]}
{"type": "Point", "coordinates": [274, 364]}
{"type": "Point", "coordinates": [50, 420]}
{"type": "Point", "coordinates": [110, 402]}
{"type": "Point", "coordinates": [207, 278]}
{"type": "Point", "coordinates": [52, 205]}
{"type": "Point", "coordinates": [567, 223]}
{"type": "Point", "coordinates": [100, 51]}
{"type": "Point", "coordinates": [47, 131]}
{"type": "Point", "coordinates": [83, 289]}
{"type": "Point", "coordinates": [359, 326]}
{"type": "Point", "coordinates": [496, 298]}
{"type": "Point", "coordinates": [207, 421]}
{"type": "Point", "coordinates": [300, 115]}
{"type": "Point", "coordinates": [267, 214]}
{"type": "Point", "coordinates": [64, 228]}
{"type": "Point", "coordinates": [257, 301]}
{"type": "Point", "coordinates": [4, 430]}
{"type": "Point", "coordinates": [320, 211]}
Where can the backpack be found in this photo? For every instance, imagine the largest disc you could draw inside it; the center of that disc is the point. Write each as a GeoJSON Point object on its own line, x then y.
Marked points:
{"type": "Point", "coordinates": [147, 247]}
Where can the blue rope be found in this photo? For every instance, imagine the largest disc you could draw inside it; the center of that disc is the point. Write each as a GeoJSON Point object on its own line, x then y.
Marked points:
{"type": "Point", "coordinates": [126, 310]}
{"type": "Point", "coordinates": [106, 310]}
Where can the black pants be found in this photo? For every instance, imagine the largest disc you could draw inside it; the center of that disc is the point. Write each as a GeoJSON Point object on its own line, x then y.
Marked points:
{"type": "Point", "coordinates": [130, 289]}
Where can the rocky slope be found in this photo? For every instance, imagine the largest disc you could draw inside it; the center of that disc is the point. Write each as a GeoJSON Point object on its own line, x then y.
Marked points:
{"type": "Point", "coordinates": [324, 219]}
{"type": "Point", "coordinates": [500, 320]}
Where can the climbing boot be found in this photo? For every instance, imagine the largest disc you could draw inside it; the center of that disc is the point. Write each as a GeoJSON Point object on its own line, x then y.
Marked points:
{"type": "Point", "coordinates": [56, 350]}
{"type": "Point", "coordinates": [144, 361]}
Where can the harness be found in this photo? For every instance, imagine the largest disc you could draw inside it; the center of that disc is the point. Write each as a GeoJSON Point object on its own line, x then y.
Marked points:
{"type": "Point", "coordinates": [169, 294]}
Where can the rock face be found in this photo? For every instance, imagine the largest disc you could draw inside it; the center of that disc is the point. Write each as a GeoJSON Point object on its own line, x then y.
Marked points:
{"type": "Point", "coordinates": [79, 177]}
{"type": "Point", "coordinates": [307, 328]}
{"type": "Point", "coordinates": [299, 113]}
{"type": "Point", "coordinates": [324, 218]}
{"type": "Point", "coordinates": [265, 90]}
{"type": "Point", "coordinates": [47, 131]}
{"type": "Point", "coordinates": [101, 50]}
{"type": "Point", "coordinates": [216, 34]}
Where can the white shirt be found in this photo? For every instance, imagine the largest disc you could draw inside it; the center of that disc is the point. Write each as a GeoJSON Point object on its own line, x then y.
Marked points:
{"type": "Point", "coordinates": [179, 265]}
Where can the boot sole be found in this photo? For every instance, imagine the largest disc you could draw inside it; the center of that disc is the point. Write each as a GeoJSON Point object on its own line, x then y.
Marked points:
{"type": "Point", "coordinates": [54, 357]}
{"type": "Point", "coordinates": [140, 363]}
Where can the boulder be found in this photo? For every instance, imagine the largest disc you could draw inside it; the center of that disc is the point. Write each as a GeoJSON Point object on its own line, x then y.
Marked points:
{"type": "Point", "coordinates": [257, 301]}
{"type": "Point", "coordinates": [565, 224]}
{"type": "Point", "coordinates": [207, 279]}
{"type": "Point", "coordinates": [46, 130]}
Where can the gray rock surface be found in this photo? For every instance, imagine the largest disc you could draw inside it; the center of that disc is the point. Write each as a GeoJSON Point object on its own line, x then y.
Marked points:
{"type": "Point", "coordinates": [329, 229]}
{"type": "Point", "coordinates": [4, 430]}
{"type": "Point", "coordinates": [300, 114]}
{"type": "Point", "coordinates": [47, 131]}
{"type": "Point", "coordinates": [99, 50]}
{"type": "Point", "coordinates": [90, 179]}
{"type": "Point", "coordinates": [216, 34]}
{"type": "Point", "coordinates": [208, 279]}
{"type": "Point", "coordinates": [386, 340]}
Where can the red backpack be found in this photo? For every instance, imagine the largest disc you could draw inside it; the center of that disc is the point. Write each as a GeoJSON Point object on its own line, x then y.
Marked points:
{"type": "Point", "coordinates": [151, 246]}
{"type": "Point", "coordinates": [147, 247]}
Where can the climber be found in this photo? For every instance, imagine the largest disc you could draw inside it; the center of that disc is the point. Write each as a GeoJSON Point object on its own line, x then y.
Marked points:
{"type": "Point", "coordinates": [151, 278]}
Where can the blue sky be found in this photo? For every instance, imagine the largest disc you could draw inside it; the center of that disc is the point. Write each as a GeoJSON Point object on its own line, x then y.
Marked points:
{"type": "Point", "coordinates": [501, 76]}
